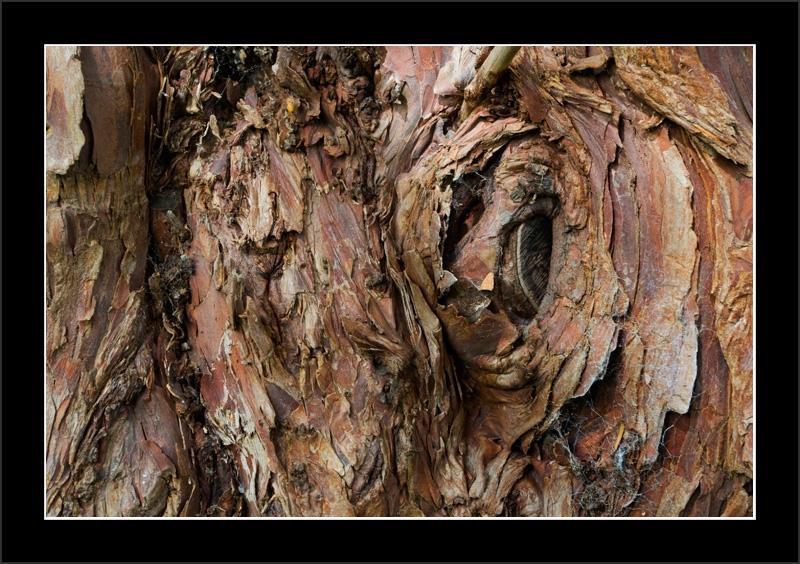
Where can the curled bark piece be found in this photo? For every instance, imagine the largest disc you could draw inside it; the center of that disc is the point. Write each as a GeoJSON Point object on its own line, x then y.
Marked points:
{"type": "Point", "coordinates": [595, 62]}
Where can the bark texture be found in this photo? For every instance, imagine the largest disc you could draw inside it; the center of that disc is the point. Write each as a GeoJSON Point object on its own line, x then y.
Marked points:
{"type": "Point", "coordinates": [289, 281]}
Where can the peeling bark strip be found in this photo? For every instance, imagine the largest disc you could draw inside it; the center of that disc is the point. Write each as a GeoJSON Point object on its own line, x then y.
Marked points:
{"type": "Point", "coordinates": [400, 281]}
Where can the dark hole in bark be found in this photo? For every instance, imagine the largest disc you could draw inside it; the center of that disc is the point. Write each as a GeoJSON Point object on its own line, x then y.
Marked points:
{"type": "Point", "coordinates": [534, 243]}
{"type": "Point", "coordinates": [467, 208]}
{"type": "Point", "coordinates": [235, 63]}
{"type": "Point", "coordinates": [469, 220]}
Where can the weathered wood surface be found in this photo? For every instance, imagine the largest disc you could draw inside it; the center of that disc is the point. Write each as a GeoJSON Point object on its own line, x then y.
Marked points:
{"type": "Point", "coordinates": [284, 282]}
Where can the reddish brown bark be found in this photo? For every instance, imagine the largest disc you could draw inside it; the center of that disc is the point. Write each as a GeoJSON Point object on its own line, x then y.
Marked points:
{"type": "Point", "coordinates": [300, 283]}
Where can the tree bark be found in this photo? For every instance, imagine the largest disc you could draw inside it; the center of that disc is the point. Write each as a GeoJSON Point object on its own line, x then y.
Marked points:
{"type": "Point", "coordinates": [289, 281]}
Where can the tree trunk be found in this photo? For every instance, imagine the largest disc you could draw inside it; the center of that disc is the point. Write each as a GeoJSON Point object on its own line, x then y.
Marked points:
{"type": "Point", "coordinates": [289, 281]}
